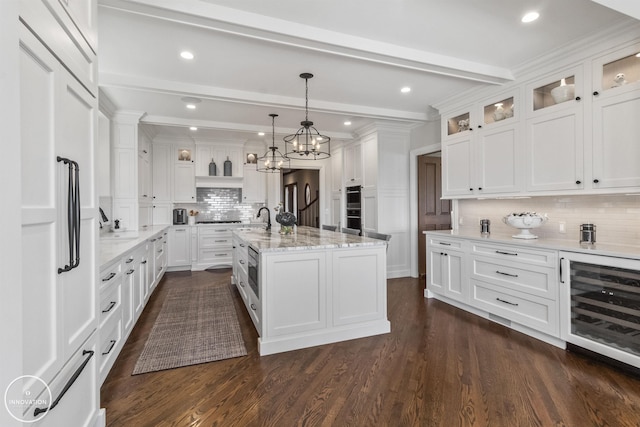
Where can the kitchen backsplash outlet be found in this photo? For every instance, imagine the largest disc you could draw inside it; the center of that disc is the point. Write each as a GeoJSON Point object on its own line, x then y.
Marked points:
{"type": "Point", "coordinates": [616, 216]}
{"type": "Point", "coordinates": [221, 204]}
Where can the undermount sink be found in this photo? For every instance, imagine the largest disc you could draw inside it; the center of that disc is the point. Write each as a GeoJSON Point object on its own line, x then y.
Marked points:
{"type": "Point", "coordinates": [118, 236]}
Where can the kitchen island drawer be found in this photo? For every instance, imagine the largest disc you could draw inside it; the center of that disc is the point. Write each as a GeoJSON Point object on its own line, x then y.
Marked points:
{"type": "Point", "coordinates": [515, 253]}
{"type": "Point", "coordinates": [110, 274]}
{"type": "Point", "coordinates": [534, 312]}
{"type": "Point", "coordinates": [213, 255]}
{"type": "Point", "coordinates": [444, 243]}
{"type": "Point", "coordinates": [532, 279]}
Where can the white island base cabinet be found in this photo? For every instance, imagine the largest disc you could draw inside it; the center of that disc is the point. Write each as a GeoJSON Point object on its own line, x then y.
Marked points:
{"type": "Point", "coordinates": [318, 297]}
{"type": "Point", "coordinates": [323, 287]}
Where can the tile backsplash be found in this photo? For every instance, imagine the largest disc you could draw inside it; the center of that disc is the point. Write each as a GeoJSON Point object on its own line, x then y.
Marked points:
{"type": "Point", "coordinates": [216, 204]}
{"type": "Point", "coordinates": [617, 217]}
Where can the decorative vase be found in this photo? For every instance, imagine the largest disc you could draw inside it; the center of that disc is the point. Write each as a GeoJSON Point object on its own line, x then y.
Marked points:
{"type": "Point", "coordinates": [286, 229]}
{"type": "Point", "coordinates": [499, 113]}
{"type": "Point", "coordinates": [227, 167]}
{"type": "Point", "coordinates": [213, 169]}
{"type": "Point", "coordinates": [564, 92]}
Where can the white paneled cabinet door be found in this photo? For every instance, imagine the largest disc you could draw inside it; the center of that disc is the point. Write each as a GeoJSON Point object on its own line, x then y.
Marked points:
{"type": "Point", "coordinates": [179, 246]}
{"type": "Point", "coordinates": [161, 172]}
{"type": "Point", "coordinates": [457, 167]}
{"type": "Point", "coordinates": [60, 311]}
{"type": "Point", "coordinates": [497, 156]}
{"type": "Point", "coordinates": [184, 183]}
{"type": "Point", "coordinates": [555, 151]}
{"type": "Point", "coordinates": [616, 148]}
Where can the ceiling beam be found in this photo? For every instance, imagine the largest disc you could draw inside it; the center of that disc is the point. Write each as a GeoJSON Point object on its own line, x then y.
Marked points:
{"type": "Point", "coordinates": [246, 24]}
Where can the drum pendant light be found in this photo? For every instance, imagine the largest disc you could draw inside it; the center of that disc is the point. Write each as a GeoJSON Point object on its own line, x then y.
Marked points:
{"type": "Point", "coordinates": [273, 161]}
{"type": "Point", "coordinates": [307, 143]}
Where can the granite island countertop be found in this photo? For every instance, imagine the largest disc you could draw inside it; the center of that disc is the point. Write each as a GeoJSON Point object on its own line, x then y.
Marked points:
{"type": "Point", "coordinates": [598, 248]}
{"type": "Point", "coordinates": [303, 238]}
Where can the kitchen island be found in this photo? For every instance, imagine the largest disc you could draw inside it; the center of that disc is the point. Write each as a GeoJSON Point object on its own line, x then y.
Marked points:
{"type": "Point", "coordinates": [311, 287]}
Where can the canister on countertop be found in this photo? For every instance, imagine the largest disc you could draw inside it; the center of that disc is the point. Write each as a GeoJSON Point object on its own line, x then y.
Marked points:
{"type": "Point", "coordinates": [485, 226]}
{"type": "Point", "coordinates": [587, 233]}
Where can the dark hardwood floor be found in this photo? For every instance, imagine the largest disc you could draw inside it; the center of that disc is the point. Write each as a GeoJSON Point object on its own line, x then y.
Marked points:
{"type": "Point", "coordinates": [439, 366]}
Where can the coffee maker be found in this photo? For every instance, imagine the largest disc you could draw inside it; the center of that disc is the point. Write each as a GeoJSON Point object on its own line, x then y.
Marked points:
{"type": "Point", "coordinates": [179, 216]}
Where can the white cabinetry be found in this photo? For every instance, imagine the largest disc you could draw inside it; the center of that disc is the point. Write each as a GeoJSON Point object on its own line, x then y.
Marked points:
{"type": "Point", "coordinates": [58, 117]}
{"type": "Point", "coordinates": [184, 183]}
{"type": "Point", "coordinates": [353, 164]}
{"type": "Point", "coordinates": [555, 134]}
{"type": "Point", "coordinates": [161, 166]}
{"type": "Point", "coordinates": [215, 247]}
{"type": "Point", "coordinates": [445, 268]}
{"type": "Point", "coordinates": [481, 150]}
{"type": "Point", "coordinates": [254, 189]}
{"type": "Point", "coordinates": [219, 153]}
{"type": "Point", "coordinates": [616, 108]}
{"type": "Point", "coordinates": [179, 246]}
{"type": "Point", "coordinates": [513, 284]}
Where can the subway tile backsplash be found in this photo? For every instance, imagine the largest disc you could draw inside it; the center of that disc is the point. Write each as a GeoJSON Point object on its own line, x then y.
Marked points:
{"type": "Point", "coordinates": [617, 217]}
{"type": "Point", "coordinates": [218, 204]}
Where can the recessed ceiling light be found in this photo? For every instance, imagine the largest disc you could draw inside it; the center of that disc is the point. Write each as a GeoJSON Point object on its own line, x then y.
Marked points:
{"type": "Point", "coordinates": [191, 106]}
{"type": "Point", "coordinates": [405, 89]}
{"type": "Point", "coordinates": [530, 17]}
{"type": "Point", "coordinates": [260, 133]}
{"type": "Point", "coordinates": [347, 123]}
{"type": "Point", "coordinates": [185, 54]}
{"type": "Point", "coordinates": [193, 128]}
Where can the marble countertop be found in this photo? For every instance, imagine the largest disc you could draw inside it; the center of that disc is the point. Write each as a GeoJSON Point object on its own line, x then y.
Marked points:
{"type": "Point", "coordinates": [303, 238]}
{"type": "Point", "coordinates": [605, 249]}
{"type": "Point", "coordinates": [112, 248]}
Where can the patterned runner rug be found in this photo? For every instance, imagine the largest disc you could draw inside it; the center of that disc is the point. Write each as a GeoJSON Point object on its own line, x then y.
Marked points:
{"type": "Point", "coordinates": [195, 325]}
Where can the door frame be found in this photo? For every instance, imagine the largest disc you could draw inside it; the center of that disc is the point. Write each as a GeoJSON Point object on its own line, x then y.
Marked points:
{"type": "Point", "coordinates": [323, 190]}
{"type": "Point", "coordinates": [413, 204]}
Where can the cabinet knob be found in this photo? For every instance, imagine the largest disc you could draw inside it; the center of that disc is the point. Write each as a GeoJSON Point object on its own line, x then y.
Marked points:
{"type": "Point", "coordinates": [596, 93]}
{"type": "Point", "coordinates": [595, 181]}
{"type": "Point", "coordinates": [479, 126]}
{"type": "Point", "coordinates": [471, 189]}
{"type": "Point", "coordinates": [479, 188]}
{"type": "Point", "coordinates": [578, 182]}
{"type": "Point", "coordinates": [578, 98]}
{"type": "Point", "coordinates": [470, 128]}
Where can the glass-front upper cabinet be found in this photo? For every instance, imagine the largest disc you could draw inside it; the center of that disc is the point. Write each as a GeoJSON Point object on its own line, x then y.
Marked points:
{"type": "Point", "coordinates": [457, 123]}
{"type": "Point", "coordinates": [617, 71]}
{"type": "Point", "coordinates": [557, 91]}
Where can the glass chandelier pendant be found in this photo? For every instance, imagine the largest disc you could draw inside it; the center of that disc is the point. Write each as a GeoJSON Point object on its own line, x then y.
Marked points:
{"type": "Point", "coordinates": [273, 161]}
{"type": "Point", "coordinates": [307, 143]}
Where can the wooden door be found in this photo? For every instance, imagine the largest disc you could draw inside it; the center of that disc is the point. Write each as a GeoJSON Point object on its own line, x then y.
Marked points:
{"type": "Point", "coordinates": [433, 213]}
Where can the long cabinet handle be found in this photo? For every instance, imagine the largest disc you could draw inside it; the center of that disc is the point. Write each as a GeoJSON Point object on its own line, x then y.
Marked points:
{"type": "Point", "coordinates": [507, 302]}
{"type": "Point", "coordinates": [561, 281]}
{"type": "Point", "coordinates": [506, 274]}
{"type": "Point", "coordinates": [68, 385]}
{"type": "Point", "coordinates": [73, 214]}
{"type": "Point", "coordinates": [506, 253]}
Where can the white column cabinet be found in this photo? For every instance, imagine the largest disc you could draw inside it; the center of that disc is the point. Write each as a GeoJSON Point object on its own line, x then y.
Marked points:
{"type": "Point", "coordinates": [254, 189]}
{"type": "Point", "coordinates": [60, 309]}
{"type": "Point", "coordinates": [184, 183]}
{"type": "Point", "coordinates": [353, 164]}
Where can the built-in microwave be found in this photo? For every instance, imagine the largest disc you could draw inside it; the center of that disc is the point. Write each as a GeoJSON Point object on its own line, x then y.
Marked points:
{"type": "Point", "coordinates": [600, 302]}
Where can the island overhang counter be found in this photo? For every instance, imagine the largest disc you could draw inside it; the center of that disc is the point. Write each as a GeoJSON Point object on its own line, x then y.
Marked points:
{"type": "Point", "coordinates": [311, 287]}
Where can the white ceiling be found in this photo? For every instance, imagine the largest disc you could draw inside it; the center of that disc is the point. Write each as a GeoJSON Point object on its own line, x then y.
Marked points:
{"type": "Point", "coordinates": [249, 54]}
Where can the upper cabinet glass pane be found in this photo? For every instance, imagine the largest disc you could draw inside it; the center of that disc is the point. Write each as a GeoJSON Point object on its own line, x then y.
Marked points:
{"type": "Point", "coordinates": [458, 124]}
{"type": "Point", "coordinates": [184, 155]}
{"type": "Point", "coordinates": [554, 93]}
{"type": "Point", "coordinates": [498, 111]}
{"type": "Point", "coordinates": [621, 72]}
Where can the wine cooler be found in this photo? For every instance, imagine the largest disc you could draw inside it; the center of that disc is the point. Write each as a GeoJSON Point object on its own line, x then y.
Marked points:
{"type": "Point", "coordinates": [601, 299]}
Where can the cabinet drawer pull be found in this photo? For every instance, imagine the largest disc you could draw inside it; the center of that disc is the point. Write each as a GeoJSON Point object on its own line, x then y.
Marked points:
{"type": "Point", "coordinates": [130, 271]}
{"type": "Point", "coordinates": [109, 277]}
{"type": "Point", "coordinates": [506, 253]}
{"type": "Point", "coordinates": [506, 274]}
{"type": "Point", "coordinates": [445, 244]}
{"type": "Point", "coordinates": [111, 305]}
{"type": "Point", "coordinates": [112, 343]}
{"type": "Point", "coordinates": [153, 240]}
{"type": "Point", "coordinates": [241, 261]}
{"type": "Point", "coordinates": [242, 283]}
{"type": "Point", "coordinates": [143, 262]}
{"type": "Point", "coordinates": [507, 302]}
{"type": "Point", "coordinates": [220, 241]}
{"type": "Point", "coordinates": [221, 255]}
{"type": "Point", "coordinates": [253, 307]}
{"type": "Point", "coordinates": [242, 245]}
{"type": "Point", "coordinates": [68, 385]}
{"type": "Point", "coordinates": [130, 260]}
{"type": "Point", "coordinates": [159, 251]}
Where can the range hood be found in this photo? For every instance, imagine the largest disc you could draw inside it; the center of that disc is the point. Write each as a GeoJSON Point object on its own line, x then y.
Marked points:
{"type": "Point", "coordinates": [219, 182]}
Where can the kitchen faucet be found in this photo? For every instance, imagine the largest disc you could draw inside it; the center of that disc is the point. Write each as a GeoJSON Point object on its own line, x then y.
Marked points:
{"type": "Point", "coordinates": [268, 216]}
